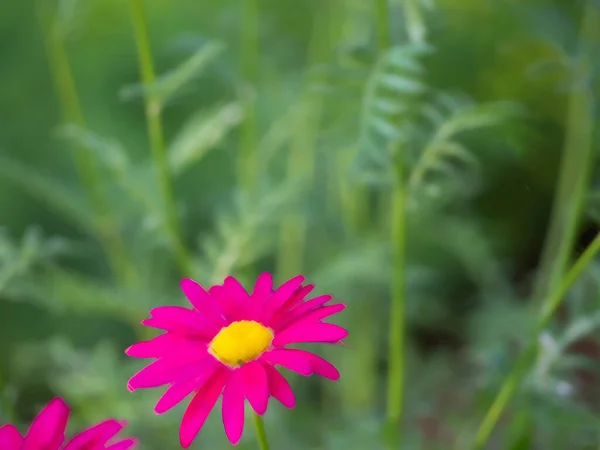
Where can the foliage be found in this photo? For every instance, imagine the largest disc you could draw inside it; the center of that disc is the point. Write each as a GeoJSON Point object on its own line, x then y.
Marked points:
{"type": "Point", "coordinates": [477, 188]}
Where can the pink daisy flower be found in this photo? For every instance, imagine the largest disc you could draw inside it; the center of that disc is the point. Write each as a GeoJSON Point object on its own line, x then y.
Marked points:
{"type": "Point", "coordinates": [228, 345]}
{"type": "Point", "coordinates": [47, 432]}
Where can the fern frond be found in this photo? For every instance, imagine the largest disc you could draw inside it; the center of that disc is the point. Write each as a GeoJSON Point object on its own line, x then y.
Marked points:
{"type": "Point", "coordinates": [18, 260]}
{"type": "Point", "coordinates": [129, 183]}
{"type": "Point", "coordinates": [450, 117]}
{"type": "Point", "coordinates": [63, 200]}
{"type": "Point", "coordinates": [244, 234]}
{"type": "Point", "coordinates": [67, 291]}
{"type": "Point", "coordinates": [204, 131]}
{"type": "Point", "coordinates": [169, 84]}
{"type": "Point", "coordinates": [110, 153]}
{"type": "Point", "coordinates": [392, 92]}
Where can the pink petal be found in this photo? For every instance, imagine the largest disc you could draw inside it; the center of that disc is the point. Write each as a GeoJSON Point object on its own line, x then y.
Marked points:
{"type": "Point", "coordinates": [309, 332]}
{"type": "Point", "coordinates": [202, 301]}
{"type": "Point", "coordinates": [95, 436]}
{"type": "Point", "coordinates": [280, 296]}
{"type": "Point", "coordinates": [263, 288]}
{"type": "Point", "coordinates": [176, 328]}
{"type": "Point", "coordinates": [313, 303]}
{"type": "Point", "coordinates": [168, 370]}
{"type": "Point", "coordinates": [232, 298]}
{"type": "Point", "coordinates": [199, 408]}
{"type": "Point", "coordinates": [302, 362]}
{"type": "Point", "coordinates": [323, 312]}
{"type": "Point", "coordinates": [295, 300]}
{"type": "Point", "coordinates": [310, 311]}
{"type": "Point", "coordinates": [287, 358]}
{"type": "Point", "coordinates": [298, 297]}
{"type": "Point", "coordinates": [155, 323]}
{"type": "Point", "coordinates": [183, 321]}
{"type": "Point", "coordinates": [220, 298]}
{"type": "Point", "coordinates": [279, 387]}
{"type": "Point", "coordinates": [125, 444]}
{"type": "Point", "coordinates": [181, 389]}
{"type": "Point", "coordinates": [234, 288]}
{"type": "Point", "coordinates": [153, 375]}
{"type": "Point", "coordinates": [233, 408]}
{"type": "Point", "coordinates": [48, 429]}
{"type": "Point", "coordinates": [255, 385]}
{"type": "Point", "coordinates": [163, 345]}
{"type": "Point", "coordinates": [10, 438]}
{"type": "Point", "coordinates": [319, 365]}
{"type": "Point", "coordinates": [316, 315]}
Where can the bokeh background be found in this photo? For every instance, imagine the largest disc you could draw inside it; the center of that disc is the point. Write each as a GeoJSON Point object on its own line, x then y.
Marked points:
{"type": "Point", "coordinates": [286, 124]}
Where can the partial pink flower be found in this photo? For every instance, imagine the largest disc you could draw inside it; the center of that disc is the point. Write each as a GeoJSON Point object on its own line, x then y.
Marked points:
{"type": "Point", "coordinates": [47, 432]}
{"type": "Point", "coordinates": [228, 344]}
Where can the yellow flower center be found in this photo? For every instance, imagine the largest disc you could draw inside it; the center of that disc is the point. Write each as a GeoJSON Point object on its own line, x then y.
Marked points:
{"type": "Point", "coordinates": [240, 342]}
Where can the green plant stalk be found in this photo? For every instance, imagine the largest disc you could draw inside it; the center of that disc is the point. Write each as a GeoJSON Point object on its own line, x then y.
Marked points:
{"type": "Point", "coordinates": [249, 160]}
{"type": "Point", "coordinates": [575, 174]}
{"type": "Point", "coordinates": [396, 339]}
{"type": "Point", "coordinates": [260, 432]}
{"type": "Point", "coordinates": [303, 154]}
{"type": "Point", "coordinates": [355, 198]}
{"type": "Point", "coordinates": [384, 37]}
{"type": "Point", "coordinates": [358, 389]}
{"type": "Point", "coordinates": [301, 163]}
{"type": "Point", "coordinates": [66, 90]}
{"type": "Point", "coordinates": [351, 26]}
{"type": "Point", "coordinates": [156, 137]}
{"type": "Point", "coordinates": [415, 25]}
{"type": "Point", "coordinates": [384, 42]}
{"type": "Point", "coordinates": [573, 185]}
{"type": "Point", "coordinates": [345, 197]}
{"type": "Point", "coordinates": [527, 359]}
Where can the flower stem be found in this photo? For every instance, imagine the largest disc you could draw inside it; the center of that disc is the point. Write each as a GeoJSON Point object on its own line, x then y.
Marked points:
{"type": "Point", "coordinates": [87, 171]}
{"type": "Point", "coordinates": [156, 136]}
{"type": "Point", "coordinates": [578, 155]}
{"type": "Point", "coordinates": [303, 151]}
{"type": "Point", "coordinates": [515, 378]}
{"type": "Point", "coordinates": [383, 25]}
{"type": "Point", "coordinates": [573, 185]}
{"type": "Point", "coordinates": [577, 160]}
{"type": "Point", "coordinates": [249, 162]}
{"type": "Point", "coordinates": [395, 389]}
{"type": "Point", "coordinates": [260, 432]}
{"type": "Point", "coordinates": [396, 338]}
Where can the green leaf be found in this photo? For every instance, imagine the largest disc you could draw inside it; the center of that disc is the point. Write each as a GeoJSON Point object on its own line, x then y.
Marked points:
{"type": "Point", "coordinates": [582, 327]}
{"type": "Point", "coordinates": [385, 128]}
{"type": "Point", "coordinates": [244, 233]}
{"type": "Point", "coordinates": [63, 200]}
{"type": "Point", "coordinates": [359, 263]}
{"type": "Point", "coordinates": [478, 116]}
{"type": "Point", "coordinates": [388, 106]}
{"type": "Point", "coordinates": [167, 85]}
{"type": "Point", "coordinates": [406, 58]}
{"type": "Point", "coordinates": [402, 84]}
{"type": "Point", "coordinates": [72, 292]}
{"type": "Point", "coordinates": [108, 152]}
{"type": "Point", "coordinates": [460, 153]}
{"type": "Point", "coordinates": [201, 133]}
{"type": "Point", "coordinates": [16, 261]}
{"type": "Point", "coordinates": [462, 116]}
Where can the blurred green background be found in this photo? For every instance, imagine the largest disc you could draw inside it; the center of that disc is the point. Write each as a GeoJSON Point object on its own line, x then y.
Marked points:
{"type": "Point", "coordinates": [286, 124]}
